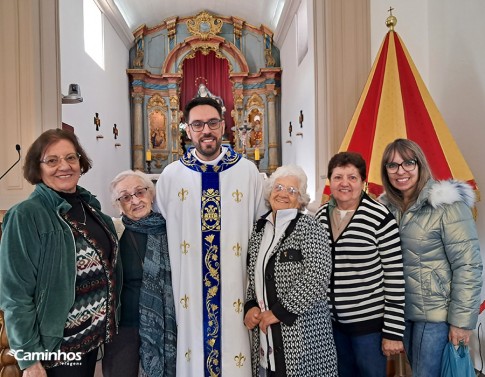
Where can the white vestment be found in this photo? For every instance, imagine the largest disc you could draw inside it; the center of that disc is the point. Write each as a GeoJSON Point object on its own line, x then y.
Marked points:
{"type": "Point", "coordinates": [208, 233]}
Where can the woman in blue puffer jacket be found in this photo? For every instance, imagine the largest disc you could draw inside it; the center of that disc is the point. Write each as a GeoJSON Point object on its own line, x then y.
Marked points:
{"type": "Point", "coordinates": [441, 255]}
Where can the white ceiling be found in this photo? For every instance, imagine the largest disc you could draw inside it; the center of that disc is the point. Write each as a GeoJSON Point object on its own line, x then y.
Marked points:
{"type": "Point", "coordinates": [153, 12]}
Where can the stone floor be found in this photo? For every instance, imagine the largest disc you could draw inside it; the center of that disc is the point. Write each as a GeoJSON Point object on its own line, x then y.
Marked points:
{"type": "Point", "coordinates": [397, 367]}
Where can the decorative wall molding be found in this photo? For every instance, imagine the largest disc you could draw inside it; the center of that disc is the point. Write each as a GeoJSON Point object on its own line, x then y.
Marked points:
{"type": "Point", "coordinates": [289, 10]}
{"type": "Point", "coordinates": [112, 13]}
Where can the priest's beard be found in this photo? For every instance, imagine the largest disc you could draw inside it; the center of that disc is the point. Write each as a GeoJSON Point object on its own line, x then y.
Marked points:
{"type": "Point", "coordinates": [207, 151]}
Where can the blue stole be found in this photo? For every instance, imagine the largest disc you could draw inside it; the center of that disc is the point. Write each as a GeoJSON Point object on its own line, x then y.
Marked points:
{"type": "Point", "coordinates": [210, 217]}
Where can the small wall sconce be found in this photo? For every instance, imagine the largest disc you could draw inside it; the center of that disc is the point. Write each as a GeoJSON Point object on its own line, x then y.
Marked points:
{"type": "Point", "coordinates": [299, 134]}
{"type": "Point", "coordinates": [290, 129]}
{"type": "Point", "coordinates": [289, 142]}
{"type": "Point", "coordinates": [117, 145]}
{"type": "Point", "coordinates": [97, 121]}
{"type": "Point", "coordinates": [99, 137]}
{"type": "Point", "coordinates": [115, 131]}
{"type": "Point", "coordinates": [74, 95]}
{"type": "Point", "coordinates": [300, 119]}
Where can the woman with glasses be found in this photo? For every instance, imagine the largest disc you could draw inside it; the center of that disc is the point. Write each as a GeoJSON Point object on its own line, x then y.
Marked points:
{"type": "Point", "coordinates": [58, 265]}
{"type": "Point", "coordinates": [147, 332]}
{"type": "Point", "coordinates": [441, 254]}
{"type": "Point", "coordinates": [366, 293]}
{"type": "Point", "coordinates": [289, 270]}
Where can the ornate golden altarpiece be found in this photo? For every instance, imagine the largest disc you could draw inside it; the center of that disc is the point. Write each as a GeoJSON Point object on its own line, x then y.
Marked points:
{"type": "Point", "coordinates": [156, 75]}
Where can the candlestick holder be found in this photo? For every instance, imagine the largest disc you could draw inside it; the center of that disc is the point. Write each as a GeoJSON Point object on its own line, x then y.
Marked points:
{"type": "Point", "coordinates": [149, 167]}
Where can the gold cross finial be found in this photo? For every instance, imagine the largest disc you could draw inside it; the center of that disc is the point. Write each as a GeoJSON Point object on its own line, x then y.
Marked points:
{"type": "Point", "coordinates": [391, 21]}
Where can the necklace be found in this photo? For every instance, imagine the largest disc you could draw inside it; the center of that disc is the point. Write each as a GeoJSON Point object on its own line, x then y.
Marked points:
{"type": "Point", "coordinates": [84, 212]}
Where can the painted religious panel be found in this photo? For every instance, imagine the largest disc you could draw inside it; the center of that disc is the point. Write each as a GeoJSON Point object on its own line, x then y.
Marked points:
{"type": "Point", "coordinates": [157, 122]}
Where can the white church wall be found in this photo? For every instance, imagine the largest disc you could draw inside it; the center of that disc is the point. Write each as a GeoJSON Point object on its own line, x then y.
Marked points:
{"type": "Point", "coordinates": [412, 27]}
{"type": "Point", "coordinates": [446, 43]}
{"type": "Point", "coordinates": [457, 84]}
{"type": "Point", "coordinates": [105, 91]}
{"type": "Point", "coordinates": [298, 93]}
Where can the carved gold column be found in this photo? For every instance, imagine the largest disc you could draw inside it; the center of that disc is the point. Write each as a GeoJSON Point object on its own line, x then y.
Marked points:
{"type": "Point", "coordinates": [172, 31]}
{"type": "Point", "coordinates": [175, 132]}
{"type": "Point", "coordinates": [238, 24]}
{"type": "Point", "coordinates": [138, 158]}
{"type": "Point", "coordinates": [273, 162]}
{"type": "Point", "coordinates": [237, 115]}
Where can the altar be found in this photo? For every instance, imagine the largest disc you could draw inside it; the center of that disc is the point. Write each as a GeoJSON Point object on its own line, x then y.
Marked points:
{"type": "Point", "coordinates": [222, 57]}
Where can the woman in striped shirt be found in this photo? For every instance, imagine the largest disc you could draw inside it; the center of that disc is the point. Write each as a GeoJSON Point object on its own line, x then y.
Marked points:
{"type": "Point", "coordinates": [366, 291]}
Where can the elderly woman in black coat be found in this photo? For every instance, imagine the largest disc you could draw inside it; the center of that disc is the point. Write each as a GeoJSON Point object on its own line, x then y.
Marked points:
{"type": "Point", "coordinates": [147, 332]}
{"type": "Point", "coordinates": [289, 269]}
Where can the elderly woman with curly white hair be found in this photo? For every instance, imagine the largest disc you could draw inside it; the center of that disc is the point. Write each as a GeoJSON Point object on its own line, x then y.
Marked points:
{"type": "Point", "coordinates": [289, 267]}
{"type": "Point", "coordinates": [147, 333]}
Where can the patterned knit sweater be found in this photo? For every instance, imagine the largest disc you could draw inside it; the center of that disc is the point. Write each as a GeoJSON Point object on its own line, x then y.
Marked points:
{"type": "Point", "coordinates": [366, 292]}
{"type": "Point", "coordinates": [91, 319]}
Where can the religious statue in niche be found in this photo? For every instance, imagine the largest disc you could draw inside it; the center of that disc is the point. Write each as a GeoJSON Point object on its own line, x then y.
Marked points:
{"type": "Point", "coordinates": [140, 53]}
{"type": "Point", "coordinates": [268, 57]}
{"type": "Point", "coordinates": [256, 138]}
{"type": "Point", "coordinates": [158, 133]}
{"type": "Point", "coordinates": [203, 91]}
{"type": "Point", "coordinates": [244, 137]}
{"type": "Point", "coordinates": [183, 135]}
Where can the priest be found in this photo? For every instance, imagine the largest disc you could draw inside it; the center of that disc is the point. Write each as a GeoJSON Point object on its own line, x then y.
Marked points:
{"type": "Point", "coordinates": [210, 198]}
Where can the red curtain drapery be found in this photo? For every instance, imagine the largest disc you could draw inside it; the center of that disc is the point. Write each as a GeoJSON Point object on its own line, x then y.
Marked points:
{"type": "Point", "coordinates": [214, 73]}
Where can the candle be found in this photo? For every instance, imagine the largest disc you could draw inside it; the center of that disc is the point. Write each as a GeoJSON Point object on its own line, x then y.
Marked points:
{"type": "Point", "coordinates": [149, 155]}
{"type": "Point", "coordinates": [256, 154]}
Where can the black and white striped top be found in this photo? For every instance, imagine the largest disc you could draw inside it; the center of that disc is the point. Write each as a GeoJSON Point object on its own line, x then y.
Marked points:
{"type": "Point", "coordinates": [366, 292]}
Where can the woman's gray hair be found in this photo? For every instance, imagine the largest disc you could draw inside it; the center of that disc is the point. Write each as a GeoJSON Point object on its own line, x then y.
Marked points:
{"type": "Point", "coordinates": [289, 171]}
{"type": "Point", "coordinates": [145, 179]}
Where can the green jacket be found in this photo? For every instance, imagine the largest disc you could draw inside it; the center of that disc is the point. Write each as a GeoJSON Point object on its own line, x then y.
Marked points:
{"type": "Point", "coordinates": [441, 255]}
{"type": "Point", "coordinates": [38, 270]}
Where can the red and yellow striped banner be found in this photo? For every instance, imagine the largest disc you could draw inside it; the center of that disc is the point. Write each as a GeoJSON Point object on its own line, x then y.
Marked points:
{"type": "Point", "coordinates": [395, 104]}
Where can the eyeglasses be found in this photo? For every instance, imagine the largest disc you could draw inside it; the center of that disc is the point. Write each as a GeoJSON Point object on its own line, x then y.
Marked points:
{"type": "Point", "coordinates": [140, 194]}
{"type": "Point", "coordinates": [53, 161]}
{"type": "Point", "coordinates": [408, 165]}
{"type": "Point", "coordinates": [198, 125]}
{"type": "Point", "coordinates": [290, 190]}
